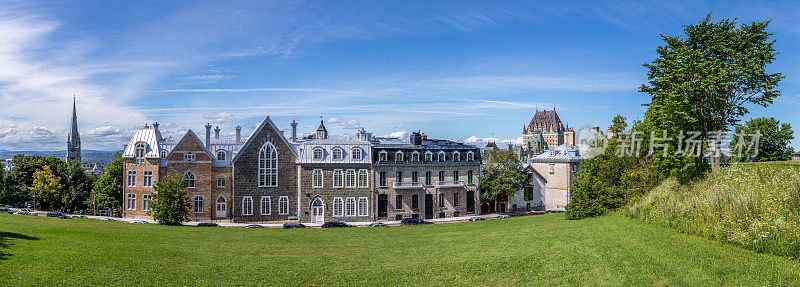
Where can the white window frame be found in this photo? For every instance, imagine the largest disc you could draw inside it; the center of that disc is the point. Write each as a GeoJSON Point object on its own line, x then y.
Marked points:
{"type": "Point", "coordinates": [189, 182]}
{"type": "Point", "coordinates": [247, 210]}
{"type": "Point", "coordinates": [357, 151]}
{"type": "Point", "coordinates": [221, 155]}
{"type": "Point", "coordinates": [132, 178]}
{"type": "Point", "coordinates": [141, 150]}
{"type": "Point", "coordinates": [383, 156]}
{"type": "Point", "coordinates": [399, 156]}
{"type": "Point", "coordinates": [130, 198]}
{"type": "Point", "coordinates": [363, 178]}
{"type": "Point", "coordinates": [441, 156]}
{"type": "Point", "coordinates": [146, 198]}
{"type": "Point", "coordinates": [283, 205]}
{"type": "Point", "coordinates": [267, 166]}
{"type": "Point", "coordinates": [428, 156]}
{"type": "Point", "coordinates": [164, 153]}
{"type": "Point", "coordinates": [188, 157]}
{"type": "Point", "coordinates": [350, 207]}
{"type": "Point", "coordinates": [221, 179]}
{"type": "Point", "coordinates": [317, 178]}
{"type": "Point", "coordinates": [338, 150]}
{"type": "Point", "coordinates": [338, 207]}
{"type": "Point", "coordinates": [217, 203]}
{"type": "Point", "coordinates": [456, 156]}
{"type": "Point", "coordinates": [415, 156]}
{"type": "Point", "coordinates": [363, 206]}
{"type": "Point", "coordinates": [350, 178]}
{"type": "Point", "coordinates": [265, 200]}
{"type": "Point", "coordinates": [147, 178]}
{"type": "Point", "coordinates": [320, 156]}
{"type": "Point", "coordinates": [470, 156]}
{"type": "Point", "coordinates": [338, 178]}
{"type": "Point", "coordinates": [552, 168]}
{"type": "Point", "coordinates": [195, 208]}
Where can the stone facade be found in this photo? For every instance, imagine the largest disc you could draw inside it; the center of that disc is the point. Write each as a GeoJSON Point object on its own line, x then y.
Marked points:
{"type": "Point", "coordinates": [327, 195]}
{"type": "Point", "coordinates": [255, 201]}
{"type": "Point", "coordinates": [558, 167]}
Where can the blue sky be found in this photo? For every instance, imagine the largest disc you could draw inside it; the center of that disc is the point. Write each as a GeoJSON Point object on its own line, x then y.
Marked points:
{"type": "Point", "coordinates": [461, 70]}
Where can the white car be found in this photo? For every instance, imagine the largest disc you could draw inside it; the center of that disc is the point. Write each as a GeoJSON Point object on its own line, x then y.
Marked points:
{"type": "Point", "coordinates": [139, 221]}
{"type": "Point", "coordinates": [78, 216]}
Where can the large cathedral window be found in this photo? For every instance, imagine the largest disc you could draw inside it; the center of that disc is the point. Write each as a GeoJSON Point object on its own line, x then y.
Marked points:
{"type": "Point", "coordinates": [267, 166]}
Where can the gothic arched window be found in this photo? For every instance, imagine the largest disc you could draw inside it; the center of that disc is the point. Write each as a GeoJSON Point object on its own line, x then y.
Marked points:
{"type": "Point", "coordinates": [267, 165]}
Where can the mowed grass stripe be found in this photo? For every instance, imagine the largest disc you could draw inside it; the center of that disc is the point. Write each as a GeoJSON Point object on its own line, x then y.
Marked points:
{"type": "Point", "coordinates": [610, 250]}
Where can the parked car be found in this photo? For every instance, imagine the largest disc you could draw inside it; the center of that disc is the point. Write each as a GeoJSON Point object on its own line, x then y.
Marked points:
{"type": "Point", "coordinates": [139, 221]}
{"type": "Point", "coordinates": [63, 216]}
{"type": "Point", "coordinates": [254, 226]}
{"type": "Point", "coordinates": [207, 224]}
{"type": "Point", "coordinates": [22, 212]}
{"type": "Point", "coordinates": [6, 210]}
{"type": "Point", "coordinates": [79, 216]}
{"type": "Point", "coordinates": [476, 218]}
{"type": "Point", "coordinates": [55, 214]}
{"type": "Point", "coordinates": [413, 221]}
{"type": "Point", "coordinates": [556, 211]}
{"type": "Point", "coordinates": [501, 216]}
{"type": "Point", "coordinates": [293, 225]}
{"type": "Point", "coordinates": [107, 219]}
{"type": "Point", "coordinates": [377, 224]}
{"type": "Point", "coordinates": [537, 212]}
{"type": "Point", "coordinates": [335, 224]}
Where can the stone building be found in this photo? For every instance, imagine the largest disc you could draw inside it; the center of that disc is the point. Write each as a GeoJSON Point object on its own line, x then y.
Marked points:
{"type": "Point", "coordinates": [335, 178]}
{"type": "Point", "coordinates": [425, 178]}
{"type": "Point", "coordinates": [532, 195]}
{"type": "Point", "coordinates": [265, 177]}
{"type": "Point", "coordinates": [74, 138]}
{"type": "Point", "coordinates": [546, 131]}
{"type": "Point", "coordinates": [207, 175]}
{"type": "Point", "coordinates": [558, 167]}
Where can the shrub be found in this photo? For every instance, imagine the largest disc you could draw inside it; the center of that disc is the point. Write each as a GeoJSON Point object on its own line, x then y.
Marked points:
{"type": "Point", "coordinates": [755, 206]}
{"type": "Point", "coordinates": [170, 205]}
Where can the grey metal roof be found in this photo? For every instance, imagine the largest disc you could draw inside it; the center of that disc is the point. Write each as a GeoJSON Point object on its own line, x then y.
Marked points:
{"type": "Point", "coordinates": [305, 150]}
{"type": "Point", "coordinates": [563, 153]}
{"type": "Point", "coordinates": [146, 135]}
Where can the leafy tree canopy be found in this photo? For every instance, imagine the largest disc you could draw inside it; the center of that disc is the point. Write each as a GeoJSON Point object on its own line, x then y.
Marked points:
{"type": "Point", "coordinates": [170, 204]}
{"type": "Point", "coordinates": [773, 143]}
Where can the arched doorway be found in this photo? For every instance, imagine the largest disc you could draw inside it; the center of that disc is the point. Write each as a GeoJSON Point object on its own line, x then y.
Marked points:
{"type": "Point", "coordinates": [221, 210]}
{"type": "Point", "coordinates": [317, 211]}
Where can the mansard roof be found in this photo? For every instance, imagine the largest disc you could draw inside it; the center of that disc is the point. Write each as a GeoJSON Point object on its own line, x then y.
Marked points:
{"type": "Point", "coordinates": [563, 153]}
{"type": "Point", "coordinates": [306, 148]}
{"type": "Point", "coordinates": [146, 135]}
{"type": "Point", "coordinates": [546, 121]}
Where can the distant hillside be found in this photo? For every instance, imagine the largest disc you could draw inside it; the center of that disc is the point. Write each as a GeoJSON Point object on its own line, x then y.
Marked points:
{"type": "Point", "coordinates": [91, 156]}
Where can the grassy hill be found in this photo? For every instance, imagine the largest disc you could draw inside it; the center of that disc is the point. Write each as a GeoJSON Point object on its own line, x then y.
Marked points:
{"type": "Point", "coordinates": [754, 206]}
{"type": "Point", "coordinates": [546, 250]}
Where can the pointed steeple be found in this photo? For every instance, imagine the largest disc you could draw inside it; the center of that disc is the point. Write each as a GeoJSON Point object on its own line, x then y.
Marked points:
{"type": "Point", "coordinates": [74, 138]}
{"type": "Point", "coordinates": [322, 132]}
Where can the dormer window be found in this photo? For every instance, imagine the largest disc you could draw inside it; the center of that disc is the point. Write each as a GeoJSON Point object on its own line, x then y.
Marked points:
{"type": "Point", "coordinates": [318, 153]}
{"type": "Point", "coordinates": [456, 156]}
{"type": "Point", "coordinates": [415, 156]}
{"type": "Point", "coordinates": [141, 150]}
{"type": "Point", "coordinates": [188, 156]}
{"type": "Point", "coordinates": [221, 155]}
{"type": "Point", "coordinates": [441, 156]}
{"type": "Point", "coordinates": [338, 153]}
{"type": "Point", "coordinates": [357, 154]}
{"type": "Point", "coordinates": [163, 154]}
{"type": "Point", "coordinates": [470, 156]}
{"type": "Point", "coordinates": [398, 156]}
{"type": "Point", "coordinates": [383, 156]}
{"type": "Point", "coordinates": [428, 156]}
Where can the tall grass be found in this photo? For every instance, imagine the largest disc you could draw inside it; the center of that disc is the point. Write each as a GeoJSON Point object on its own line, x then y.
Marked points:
{"type": "Point", "coordinates": [755, 206]}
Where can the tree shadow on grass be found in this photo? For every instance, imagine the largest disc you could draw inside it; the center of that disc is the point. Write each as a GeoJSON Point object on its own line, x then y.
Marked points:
{"type": "Point", "coordinates": [5, 242]}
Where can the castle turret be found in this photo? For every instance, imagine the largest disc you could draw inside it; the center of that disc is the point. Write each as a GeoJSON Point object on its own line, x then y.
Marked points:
{"type": "Point", "coordinates": [322, 133]}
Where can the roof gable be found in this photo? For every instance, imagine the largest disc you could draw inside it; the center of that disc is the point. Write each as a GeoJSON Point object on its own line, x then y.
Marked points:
{"type": "Point", "coordinates": [191, 134]}
{"type": "Point", "coordinates": [261, 126]}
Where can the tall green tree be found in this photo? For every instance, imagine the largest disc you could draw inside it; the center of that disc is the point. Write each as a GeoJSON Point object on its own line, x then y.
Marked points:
{"type": "Point", "coordinates": [170, 204]}
{"type": "Point", "coordinates": [48, 189]}
{"type": "Point", "coordinates": [502, 175]}
{"type": "Point", "coordinates": [701, 81]}
{"type": "Point", "coordinates": [773, 142]}
{"type": "Point", "coordinates": [78, 186]}
{"type": "Point", "coordinates": [108, 187]}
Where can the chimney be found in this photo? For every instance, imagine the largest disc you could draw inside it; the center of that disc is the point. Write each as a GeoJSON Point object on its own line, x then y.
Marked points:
{"type": "Point", "coordinates": [238, 134]}
{"type": "Point", "coordinates": [424, 136]}
{"type": "Point", "coordinates": [208, 136]}
{"type": "Point", "coordinates": [294, 130]}
{"type": "Point", "coordinates": [216, 133]}
{"type": "Point", "coordinates": [416, 138]}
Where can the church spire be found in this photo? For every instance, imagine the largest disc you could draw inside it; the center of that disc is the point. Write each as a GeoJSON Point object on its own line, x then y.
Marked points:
{"type": "Point", "coordinates": [74, 138]}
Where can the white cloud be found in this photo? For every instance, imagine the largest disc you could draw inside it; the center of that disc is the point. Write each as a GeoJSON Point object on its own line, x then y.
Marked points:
{"type": "Point", "coordinates": [40, 131]}
{"type": "Point", "coordinates": [221, 117]}
{"type": "Point", "coordinates": [210, 78]}
{"type": "Point", "coordinates": [351, 124]}
{"type": "Point", "coordinates": [105, 131]}
{"type": "Point", "coordinates": [398, 134]}
{"type": "Point", "coordinates": [334, 120]}
{"type": "Point", "coordinates": [7, 132]}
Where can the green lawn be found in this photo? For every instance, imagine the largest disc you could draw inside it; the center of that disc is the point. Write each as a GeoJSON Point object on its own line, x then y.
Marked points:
{"type": "Point", "coordinates": [549, 250]}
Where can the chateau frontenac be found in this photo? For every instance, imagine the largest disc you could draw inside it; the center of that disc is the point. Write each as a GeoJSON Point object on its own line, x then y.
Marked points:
{"type": "Point", "coordinates": [269, 177]}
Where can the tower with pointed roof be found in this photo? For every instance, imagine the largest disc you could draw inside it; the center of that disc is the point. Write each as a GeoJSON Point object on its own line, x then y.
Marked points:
{"type": "Point", "coordinates": [74, 138]}
{"type": "Point", "coordinates": [322, 133]}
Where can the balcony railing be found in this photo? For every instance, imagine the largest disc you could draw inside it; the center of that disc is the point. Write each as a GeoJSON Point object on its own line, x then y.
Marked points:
{"type": "Point", "coordinates": [455, 183]}
{"type": "Point", "coordinates": [406, 185]}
